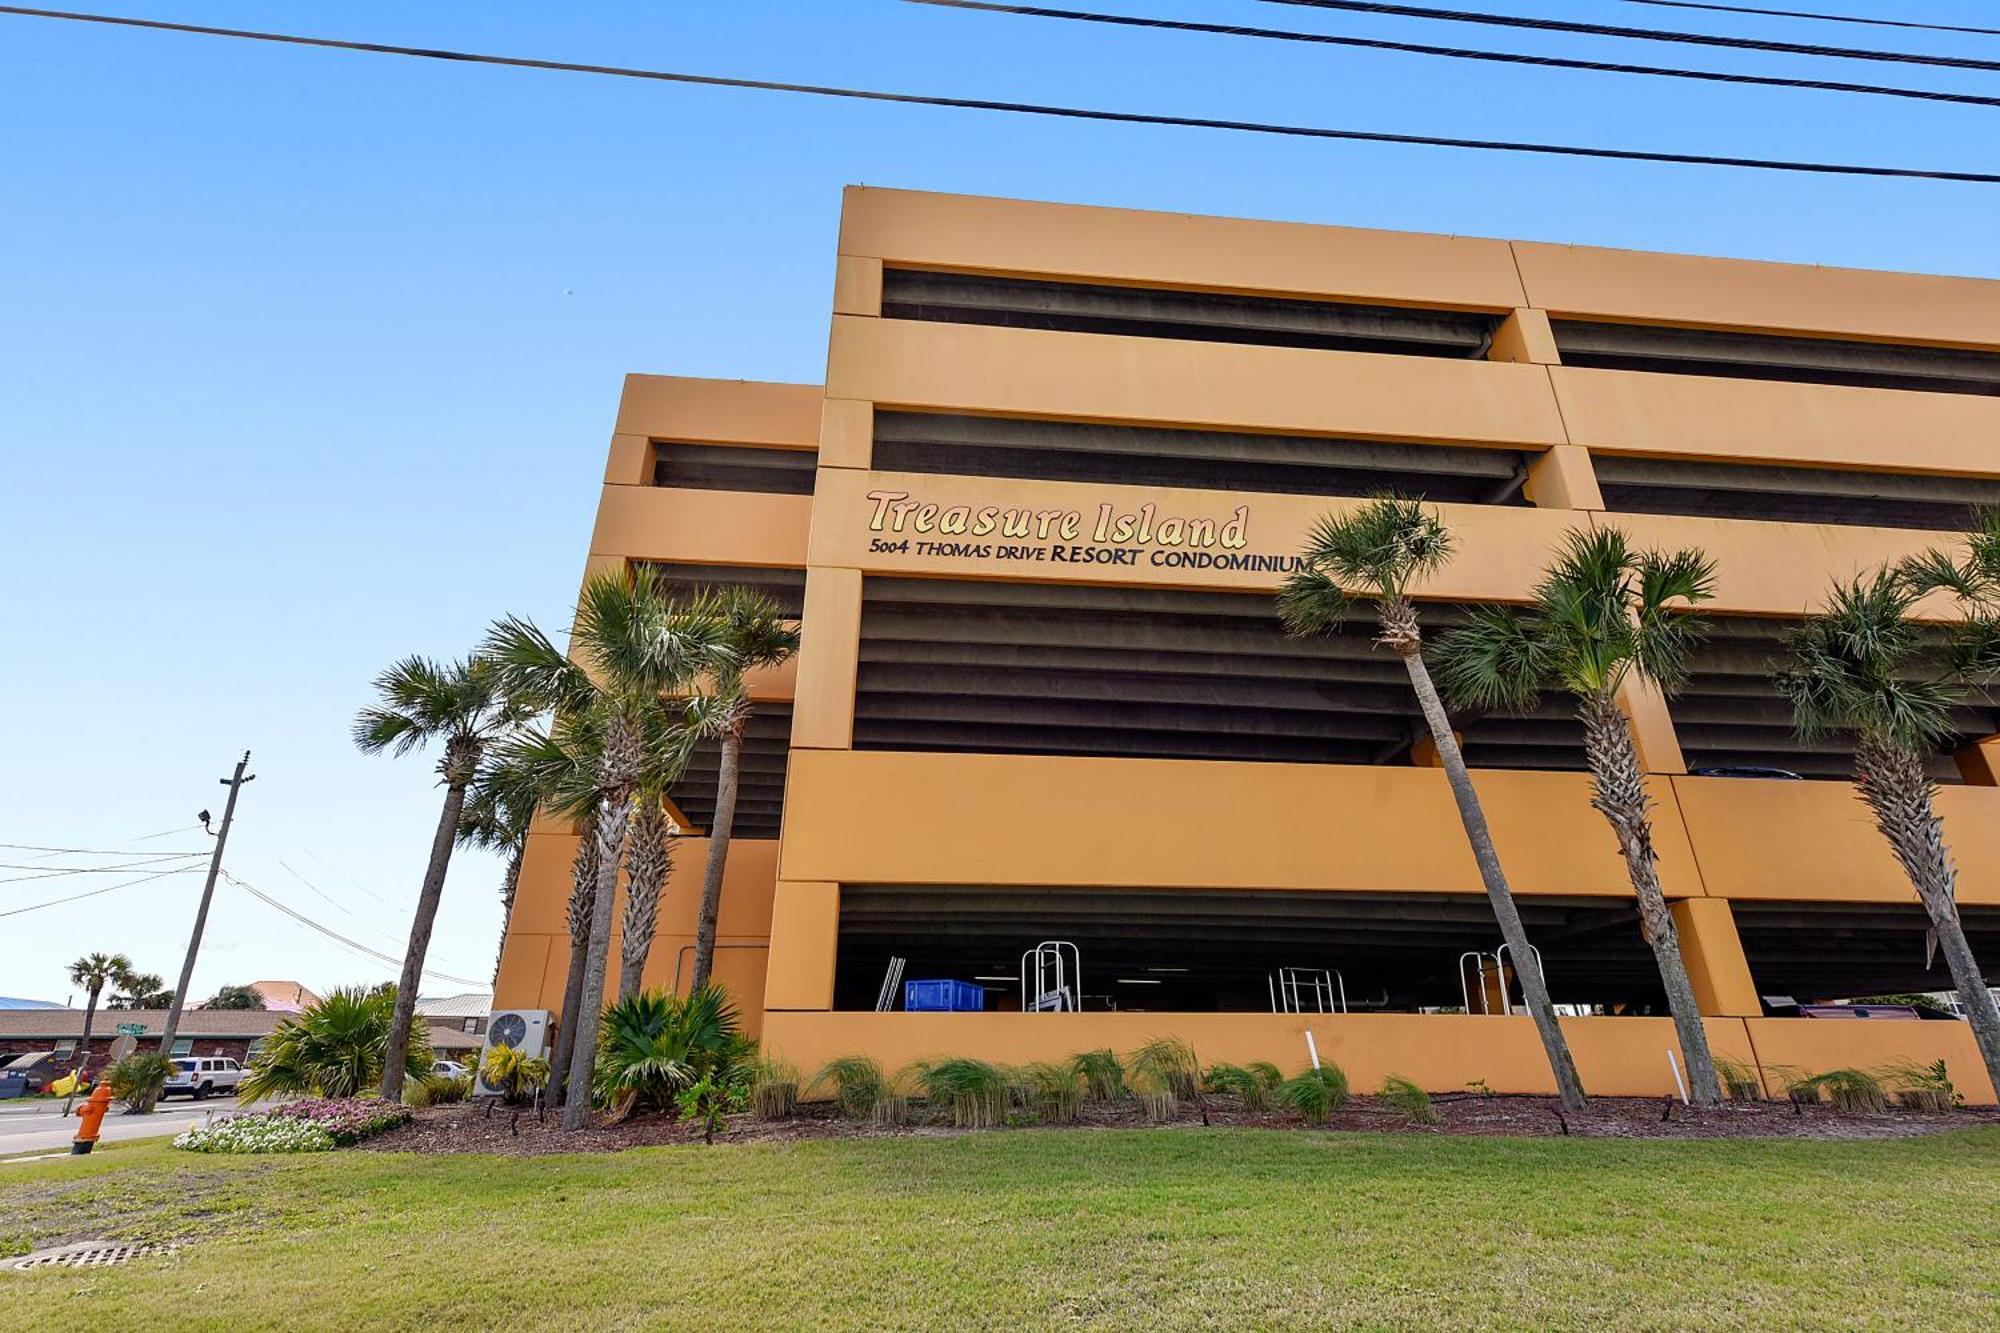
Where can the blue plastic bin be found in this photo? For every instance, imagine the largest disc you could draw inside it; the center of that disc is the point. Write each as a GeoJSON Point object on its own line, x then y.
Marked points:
{"type": "Point", "coordinates": [953, 997]}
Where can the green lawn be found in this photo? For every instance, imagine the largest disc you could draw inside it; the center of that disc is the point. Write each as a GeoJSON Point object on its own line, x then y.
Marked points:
{"type": "Point", "coordinates": [1174, 1228]}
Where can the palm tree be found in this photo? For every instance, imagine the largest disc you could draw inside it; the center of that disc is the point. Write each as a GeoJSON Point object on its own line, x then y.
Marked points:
{"type": "Point", "coordinates": [651, 862]}
{"type": "Point", "coordinates": [463, 705]}
{"type": "Point", "coordinates": [633, 647]}
{"type": "Point", "coordinates": [557, 768]}
{"type": "Point", "coordinates": [1861, 667]}
{"type": "Point", "coordinates": [95, 971]}
{"type": "Point", "coordinates": [1380, 550]}
{"type": "Point", "coordinates": [140, 990]}
{"type": "Point", "coordinates": [235, 997]}
{"type": "Point", "coordinates": [1603, 613]}
{"type": "Point", "coordinates": [754, 634]}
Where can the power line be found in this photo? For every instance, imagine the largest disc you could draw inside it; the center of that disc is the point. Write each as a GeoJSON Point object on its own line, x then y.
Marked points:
{"type": "Point", "coordinates": [44, 872]}
{"type": "Point", "coordinates": [1042, 109]}
{"type": "Point", "coordinates": [1641, 34]}
{"type": "Point", "coordinates": [335, 935]}
{"type": "Point", "coordinates": [1464, 53]}
{"type": "Point", "coordinates": [1820, 18]}
{"type": "Point", "coordinates": [109, 888]}
{"type": "Point", "coordinates": [90, 851]}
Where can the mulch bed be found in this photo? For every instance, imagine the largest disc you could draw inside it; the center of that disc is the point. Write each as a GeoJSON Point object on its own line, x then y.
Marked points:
{"type": "Point", "coordinates": [472, 1129]}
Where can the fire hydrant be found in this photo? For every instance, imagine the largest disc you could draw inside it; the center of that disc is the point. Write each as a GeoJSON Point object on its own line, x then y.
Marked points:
{"type": "Point", "coordinates": [91, 1114]}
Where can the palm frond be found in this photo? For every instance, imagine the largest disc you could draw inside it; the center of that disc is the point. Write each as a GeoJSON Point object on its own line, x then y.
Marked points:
{"type": "Point", "coordinates": [1495, 662]}
{"type": "Point", "coordinates": [533, 670]}
{"type": "Point", "coordinates": [1939, 571]}
{"type": "Point", "coordinates": [1382, 548]}
{"type": "Point", "coordinates": [1311, 603]}
{"type": "Point", "coordinates": [1858, 667]}
{"type": "Point", "coordinates": [1665, 633]}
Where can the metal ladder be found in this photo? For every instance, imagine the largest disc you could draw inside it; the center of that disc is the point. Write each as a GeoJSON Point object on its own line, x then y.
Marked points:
{"type": "Point", "coordinates": [1293, 987]}
{"type": "Point", "coordinates": [1051, 978]}
{"type": "Point", "coordinates": [892, 982]}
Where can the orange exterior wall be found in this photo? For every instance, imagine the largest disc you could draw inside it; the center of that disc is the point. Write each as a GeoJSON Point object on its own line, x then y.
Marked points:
{"type": "Point", "coordinates": [1017, 820]}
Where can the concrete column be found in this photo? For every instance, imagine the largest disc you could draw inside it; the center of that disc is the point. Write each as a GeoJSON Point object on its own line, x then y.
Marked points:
{"type": "Point", "coordinates": [805, 936]}
{"type": "Point", "coordinates": [1525, 336]}
{"type": "Point", "coordinates": [857, 285]}
{"type": "Point", "coordinates": [1652, 727]}
{"type": "Point", "coordinates": [829, 656]}
{"type": "Point", "coordinates": [846, 433]}
{"type": "Point", "coordinates": [1561, 478]}
{"type": "Point", "coordinates": [1713, 951]}
{"type": "Point", "coordinates": [631, 461]}
{"type": "Point", "coordinates": [1979, 763]}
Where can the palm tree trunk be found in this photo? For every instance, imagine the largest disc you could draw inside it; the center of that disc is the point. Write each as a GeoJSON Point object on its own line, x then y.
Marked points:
{"type": "Point", "coordinates": [82, 1059]}
{"type": "Point", "coordinates": [582, 896]}
{"type": "Point", "coordinates": [1399, 631]}
{"type": "Point", "coordinates": [613, 825]}
{"type": "Point", "coordinates": [726, 783]}
{"type": "Point", "coordinates": [651, 862]}
{"type": "Point", "coordinates": [397, 1054]}
{"type": "Point", "coordinates": [1618, 792]}
{"type": "Point", "coordinates": [1900, 794]}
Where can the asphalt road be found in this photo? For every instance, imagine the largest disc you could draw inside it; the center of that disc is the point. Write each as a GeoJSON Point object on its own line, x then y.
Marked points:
{"type": "Point", "coordinates": [40, 1126]}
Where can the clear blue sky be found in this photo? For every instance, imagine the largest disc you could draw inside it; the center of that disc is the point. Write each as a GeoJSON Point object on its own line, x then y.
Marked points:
{"type": "Point", "coordinates": [308, 360]}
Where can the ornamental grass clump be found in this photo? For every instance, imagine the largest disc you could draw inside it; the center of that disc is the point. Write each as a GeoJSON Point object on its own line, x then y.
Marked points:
{"type": "Point", "coordinates": [1403, 1096]}
{"type": "Point", "coordinates": [856, 1082]}
{"type": "Point", "coordinates": [1739, 1081]}
{"type": "Point", "coordinates": [774, 1089]}
{"type": "Point", "coordinates": [1853, 1090]}
{"type": "Point", "coordinates": [973, 1090]}
{"type": "Point", "coordinates": [1055, 1091]}
{"type": "Point", "coordinates": [1243, 1083]}
{"type": "Point", "coordinates": [1314, 1094]}
{"type": "Point", "coordinates": [1927, 1088]}
{"type": "Point", "coordinates": [1103, 1076]}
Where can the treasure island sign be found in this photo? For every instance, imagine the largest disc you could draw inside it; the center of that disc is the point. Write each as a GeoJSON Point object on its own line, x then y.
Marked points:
{"type": "Point", "coordinates": [903, 524]}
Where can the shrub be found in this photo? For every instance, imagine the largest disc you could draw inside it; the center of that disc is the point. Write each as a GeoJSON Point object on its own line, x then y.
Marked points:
{"type": "Point", "coordinates": [344, 1119]}
{"type": "Point", "coordinates": [1055, 1091]}
{"type": "Point", "coordinates": [856, 1081]}
{"type": "Point", "coordinates": [1167, 1064]}
{"type": "Point", "coordinates": [518, 1076]}
{"type": "Point", "coordinates": [1739, 1081]}
{"type": "Point", "coordinates": [334, 1048]}
{"type": "Point", "coordinates": [254, 1133]}
{"type": "Point", "coordinates": [1314, 1094]}
{"type": "Point", "coordinates": [1103, 1076]}
{"type": "Point", "coordinates": [438, 1090]}
{"type": "Point", "coordinates": [138, 1079]}
{"type": "Point", "coordinates": [1244, 1083]}
{"type": "Point", "coordinates": [705, 1101]}
{"type": "Point", "coordinates": [1267, 1074]}
{"type": "Point", "coordinates": [774, 1090]}
{"type": "Point", "coordinates": [652, 1045]}
{"type": "Point", "coordinates": [1926, 1088]}
{"type": "Point", "coordinates": [1404, 1096]}
{"type": "Point", "coordinates": [975, 1091]}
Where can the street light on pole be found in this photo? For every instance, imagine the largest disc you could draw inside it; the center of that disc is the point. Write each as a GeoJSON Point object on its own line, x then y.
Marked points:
{"type": "Point", "coordinates": [235, 784]}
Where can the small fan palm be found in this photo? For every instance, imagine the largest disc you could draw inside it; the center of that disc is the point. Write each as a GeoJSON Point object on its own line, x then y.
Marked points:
{"type": "Point", "coordinates": [336, 1048]}
{"type": "Point", "coordinates": [633, 648]}
{"type": "Point", "coordinates": [754, 635]}
{"type": "Point", "coordinates": [654, 1044]}
{"type": "Point", "coordinates": [94, 972]}
{"type": "Point", "coordinates": [1381, 552]}
{"type": "Point", "coordinates": [1603, 613]}
{"type": "Point", "coordinates": [463, 705]}
{"type": "Point", "coordinates": [1861, 668]}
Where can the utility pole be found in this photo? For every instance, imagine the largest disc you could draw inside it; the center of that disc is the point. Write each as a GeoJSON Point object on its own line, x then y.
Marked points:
{"type": "Point", "coordinates": [235, 785]}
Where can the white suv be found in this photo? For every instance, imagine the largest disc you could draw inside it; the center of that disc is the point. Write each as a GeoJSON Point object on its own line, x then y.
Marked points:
{"type": "Point", "coordinates": [198, 1076]}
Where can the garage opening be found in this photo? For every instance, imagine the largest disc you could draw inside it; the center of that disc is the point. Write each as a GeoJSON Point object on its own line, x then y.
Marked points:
{"type": "Point", "coordinates": [1816, 952]}
{"type": "Point", "coordinates": [1205, 951]}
